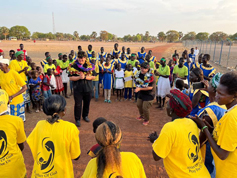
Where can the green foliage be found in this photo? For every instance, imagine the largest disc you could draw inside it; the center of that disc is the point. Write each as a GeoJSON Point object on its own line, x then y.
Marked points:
{"type": "Point", "coordinates": [93, 35]}
{"type": "Point", "coordinates": [233, 37]}
{"type": "Point", "coordinates": [161, 36]}
{"type": "Point", "coordinates": [218, 36]}
{"type": "Point", "coordinates": [76, 35]}
{"type": "Point", "coordinates": [39, 35]}
{"type": "Point", "coordinates": [146, 37]}
{"type": "Point", "coordinates": [85, 37]}
{"type": "Point", "coordinates": [4, 31]}
{"type": "Point", "coordinates": [110, 36]}
{"type": "Point", "coordinates": [138, 37]}
{"type": "Point", "coordinates": [189, 36]}
{"type": "Point", "coordinates": [19, 31]}
{"type": "Point", "coordinates": [172, 35]}
{"type": "Point", "coordinates": [202, 36]}
{"type": "Point", "coordinates": [104, 35]}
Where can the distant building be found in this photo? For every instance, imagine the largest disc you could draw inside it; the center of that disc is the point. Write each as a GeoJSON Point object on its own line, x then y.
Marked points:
{"type": "Point", "coordinates": [12, 38]}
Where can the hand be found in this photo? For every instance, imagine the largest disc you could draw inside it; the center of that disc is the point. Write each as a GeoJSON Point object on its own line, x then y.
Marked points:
{"type": "Point", "coordinates": [82, 75]}
{"type": "Point", "coordinates": [206, 85]}
{"type": "Point", "coordinates": [26, 68]}
{"type": "Point", "coordinates": [137, 90]}
{"type": "Point", "coordinates": [152, 137]}
{"type": "Point", "coordinates": [200, 122]}
{"type": "Point", "coordinates": [51, 86]}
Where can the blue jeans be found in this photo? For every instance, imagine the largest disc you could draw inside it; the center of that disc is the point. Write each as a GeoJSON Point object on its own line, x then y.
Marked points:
{"type": "Point", "coordinates": [47, 94]}
{"type": "Point", "coordinates": [96, 86]}
{"type": "Point", "coordinates": [128, 93]}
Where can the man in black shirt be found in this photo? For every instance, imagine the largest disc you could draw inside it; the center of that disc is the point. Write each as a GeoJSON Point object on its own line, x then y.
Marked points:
{"type": "Point", "coordinates": [82, 73]}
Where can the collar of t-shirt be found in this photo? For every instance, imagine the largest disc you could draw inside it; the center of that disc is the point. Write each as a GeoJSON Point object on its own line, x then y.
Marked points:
{"type": "Point", "coordinates": [231, 108]}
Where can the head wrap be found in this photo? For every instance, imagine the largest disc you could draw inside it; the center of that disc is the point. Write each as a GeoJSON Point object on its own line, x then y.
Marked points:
{"type": "Point", "coordinates": [60, 54]}
{"type": "Point", "coordinates": [180, 103]}
{"type": "Point", "coordinates": [19, 53]}
{"type": "Point", "coordinates": [4, 61]}
{"type": "Point", "coordinates": [163, 59]}
{"type": "Point", "coordinates": [133, 55]}
{"type": "Point", "coordinates": [48, 58]}
{"type": "Point", "coordinates": [215, 81]}
{"type": "Point", "coordinates": [1, 51]}
{"type": "Point", "coordinates": [3, 101]}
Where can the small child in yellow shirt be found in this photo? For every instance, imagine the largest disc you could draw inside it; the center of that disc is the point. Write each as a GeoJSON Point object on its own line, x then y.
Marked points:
{"type": "Point", "coordinates": [128, 85]}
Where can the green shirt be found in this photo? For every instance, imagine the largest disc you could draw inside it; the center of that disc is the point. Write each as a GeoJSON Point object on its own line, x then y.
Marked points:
{"type": "Point", "coordinates": [164, 70]}
{"type": "Point", "coordinates": [64, 65]}
{"type": "Point", "coordinates": [132, 62]}
{"type": "Point", "coordinates": [180, 72]}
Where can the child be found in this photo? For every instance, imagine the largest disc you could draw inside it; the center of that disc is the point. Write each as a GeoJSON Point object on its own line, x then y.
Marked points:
{"type": "Point", "coordinates": [122, 61]}
{"type": "Point", "coordinates": [93, 152]}
{"type": "Point", "coordinates": [64, 64]}
{"type": "Point", "coordinates": [107, 79]}
{"type": "Point", "coordinates": [59, 83]}
{"type": "Point", "coordinates": [50, 65]}
{"type": "Point", "coordinates": [41, 75]}
{"type": "Point", "coordinates": [138, 67]}
{"type": "Point", "coordinates": [46, 84]}
{"type": "Point", "coordinates": [128, 74]}
{"type": "Point", "coordinates": [92, 56]}
{"type": "Point", "coordinates": [119, 77]}
{"type": "Point", "coordinates": [133, 60]}
{"type": "Point", "coordinates": [95, 82]}
{"type": "Point", "coordinates": [71, 61]}
{"type": "Point", "coordinates": [36, 93]}
{"type": "Point", "coordinates": [89, 52]}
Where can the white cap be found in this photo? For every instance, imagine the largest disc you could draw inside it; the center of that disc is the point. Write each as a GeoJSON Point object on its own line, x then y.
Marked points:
{"type": "Point", "coordinates": [4, 61]}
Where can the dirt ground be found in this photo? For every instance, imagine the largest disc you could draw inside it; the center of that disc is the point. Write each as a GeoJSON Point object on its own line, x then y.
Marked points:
{"type": "Point", "coordinates": [123, 113]}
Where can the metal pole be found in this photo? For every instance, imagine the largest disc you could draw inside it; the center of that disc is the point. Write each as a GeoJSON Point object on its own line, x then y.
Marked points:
{"type": "Point", "coordinates": [210, 48]}
{"type": "Point", "coordinates": [206, 46]}
{"type": "Point", "coordinates": [222, 42]}
{"type": "Point", "coordinates": [201, 47]}
{"type": "Point", "coordinates": [228, 53]}
{"type": "Point", "coordinates": [214, 52]}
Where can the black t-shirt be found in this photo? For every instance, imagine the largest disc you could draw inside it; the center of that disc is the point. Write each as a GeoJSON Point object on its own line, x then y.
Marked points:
{"type": "Point", "coordinates": [148, 95]}
{"type": "Point", "coordinates": [82, 85]}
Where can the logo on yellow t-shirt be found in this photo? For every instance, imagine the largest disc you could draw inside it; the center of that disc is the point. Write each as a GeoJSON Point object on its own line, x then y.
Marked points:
{"type": "Point", "coordinates": [3, 145]}
{"type": "Point", "coordinates": [193, 153]}
{"type": "Point", "coordinates": [46, 163]}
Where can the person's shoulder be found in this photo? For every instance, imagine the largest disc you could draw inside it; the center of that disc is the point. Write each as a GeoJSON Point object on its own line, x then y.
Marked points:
{"type": "Point", "coordinates": [68, 124]}
{"type": "Point", "coordinates": [128, 155]}
{"type": "Point", "coordinates": [10, 118]}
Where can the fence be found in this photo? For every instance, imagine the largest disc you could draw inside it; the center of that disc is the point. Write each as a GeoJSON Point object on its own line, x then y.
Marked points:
{"type": "Point", "coordinates": [223, 53]}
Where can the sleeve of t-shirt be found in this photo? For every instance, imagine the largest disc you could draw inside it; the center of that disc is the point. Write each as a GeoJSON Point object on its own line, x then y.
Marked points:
{"type": "Point", "coordinates": [31, 82]}
{"type": "Point", "coordinates": [163, 144]}
{"type": "Point", "coordinates": [75, 143]}
{"type": "Point", "coordinates": [21, 136]}
{"type": "Point", "coordinates": [19, 80]}
{"type": "Point", "coordinates": [139, 165]}
{"type": "Point", "coordinates": [91, 169]}
{"type": "Point", "coordinates": [45, 68]}
{"type": "Point", "coordinates": [228, 138]}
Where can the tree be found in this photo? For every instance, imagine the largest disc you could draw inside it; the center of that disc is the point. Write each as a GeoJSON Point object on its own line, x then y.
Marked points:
{"type": "Point", "coordinates": [128, 38]}
{"type": "Point", "coordinates": [50, 36]}
{"type": "Point", "coordinates": [146, 38]}
{"type": "Point", "coordinates": [76, 34]}
{"type": "Point", "coordinates": [233, 37]}
{"type": "Point", "coordinates": [85, 37]}
{"type": "Point", "coordinates": [19, 31]}
{"type": "Point", "coordinates": [202, 36]}
{"type": "Point", "coordinates": [59, 36]}
{"type": "Point", "coordinates": [104, 35]}
{"type": "Point", "coordinates": [93, 35]}
{"type": "Point", "coordinates": [4, 31]}
{"type": "Point", "coordinates": [181, 35]}
{"type": "Point", "coordinates": [172, 35]}
{"type": "Point", "coordinates": [139, 38]}
{"type": "Point", "coordinates": [189, 36]}
{"type": "Point", "coordinates": [35, 35]}
{"type": "Point", "coordinates": [218, 36]}
{"type": "Point", "coordinates": [161, 36]}
{"type": "Point", "coordinates": [110, 36]}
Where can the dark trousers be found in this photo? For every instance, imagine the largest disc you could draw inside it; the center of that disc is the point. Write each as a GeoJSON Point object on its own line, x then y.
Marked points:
{"type": "Point", "coordinates": [128, 93]}
{"type": "Point", "coordinates": [78, 98]}
{"type": "Point", "coordinates": [65, 89]}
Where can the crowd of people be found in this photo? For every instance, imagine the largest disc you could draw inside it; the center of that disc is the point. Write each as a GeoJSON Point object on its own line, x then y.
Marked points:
{"type": "Point", "coordinates": [200, 141]}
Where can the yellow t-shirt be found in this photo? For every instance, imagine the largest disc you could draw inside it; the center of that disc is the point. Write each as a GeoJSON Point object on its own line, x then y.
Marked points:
{"type": "Point", "coordinates": [12, 82]}
{"type": "Point", "coordinates": [164, 70]}
{"type": "Point", "coordinates": [47, 66]}
{"type": "Point", "coordinates": [11, 159]}
{"type": "Point", "coordinates": [181, 72]}
{"type": "Point", "coordinates": [131, 167]}
{"type": "Point", "coordinates": [225, 136]}
{"type": "Point", "coordinates": [128, 84]}
{"type": "Point", "coordinates": [97, 71]}
{"type": "Point", "coordinates": [178, 144]}
{"type": "Point", "coordinates": [63, 64]}
{"type": "Point", "coordinates": [18, 66]}
{"type": "Point", "coordinates": [53, 146]}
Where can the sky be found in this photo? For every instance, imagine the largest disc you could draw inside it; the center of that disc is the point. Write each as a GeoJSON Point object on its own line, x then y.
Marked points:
{"type": "Point", "coordinates": [121, 17]}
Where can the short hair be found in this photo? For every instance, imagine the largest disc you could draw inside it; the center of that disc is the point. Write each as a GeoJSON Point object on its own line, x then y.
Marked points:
{"type": "Point", "coordinates": [37, 67]}
{"type": "Point", "coordinates": [81, 54]}
{"type": "Point", "coordinates": [64, 55]}
{"type": "Point", "coordinates": [12, 51]}
{"type": "Point", "coordinates": [46, 53]}
{"type": "Point", "coordinates": [145, 65]}
{"type": "Point", "coordinates": [207, 56]}
{"type": "Point", "coordinates": [179, 83]}
{"type": "Point", "coordinates": [230, 81]}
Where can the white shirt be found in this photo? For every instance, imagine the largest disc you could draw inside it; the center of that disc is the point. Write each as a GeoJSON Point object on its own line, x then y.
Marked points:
{"type": "Point", "coordinates": [196, 51]}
